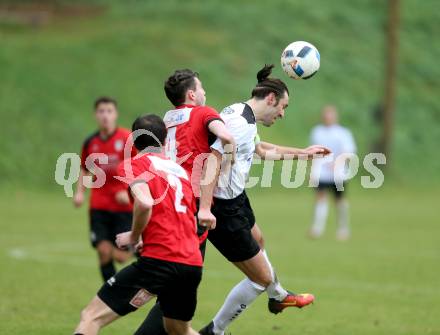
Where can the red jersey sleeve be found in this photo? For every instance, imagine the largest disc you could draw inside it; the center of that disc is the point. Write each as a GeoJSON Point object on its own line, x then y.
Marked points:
{"type": "Point", "coordinates": [208, 115]}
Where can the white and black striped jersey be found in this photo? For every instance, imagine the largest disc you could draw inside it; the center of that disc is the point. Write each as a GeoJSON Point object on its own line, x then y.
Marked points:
{"type": "Point", "coordinates": [240, 122]}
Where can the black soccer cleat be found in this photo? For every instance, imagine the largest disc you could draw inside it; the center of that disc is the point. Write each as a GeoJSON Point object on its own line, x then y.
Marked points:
{"type": "Point", "coordinates": [207, 330]}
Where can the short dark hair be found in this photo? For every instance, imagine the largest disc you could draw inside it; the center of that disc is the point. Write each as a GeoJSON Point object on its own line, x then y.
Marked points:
{"type": "Point", "coordinates": [105, 100]}
{"type": "Point", "coordinates": [178, 84]}
{"type": "Point", "coordinates": [267, 85]}
{"type": "Point", "coordinates": [153, 124]}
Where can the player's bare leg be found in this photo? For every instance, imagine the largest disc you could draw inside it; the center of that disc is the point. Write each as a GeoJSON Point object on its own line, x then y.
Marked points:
{"type": "Point", "coordinates": [257, 234]}
{"type": "Point", "coordinates": [121, 256]}
{"type": "Point", "coordinates": [342, 209]}
{"type": "Point", "coordinates": [256, 269]}
{"type": "Point", "coordinates": [95, 316]}
{"type": "Point", "coordinates": [320, 215]}
{"type": "Point", "coordinates": [105, 251]}
{"type": "Point", "coordinates": [177, 327]}
{"type": "Point", "coordinates": [105, 255]}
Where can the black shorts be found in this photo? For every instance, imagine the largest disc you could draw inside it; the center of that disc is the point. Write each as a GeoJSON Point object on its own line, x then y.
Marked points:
{"type": "Point", "coordinates": [105, 225]}
{"type": "Point", "coordinates": [174, 284]}
{"type": "Point", "coordinates": [232, 235]}
{"type": "Point", "coordinates": [331, 186]}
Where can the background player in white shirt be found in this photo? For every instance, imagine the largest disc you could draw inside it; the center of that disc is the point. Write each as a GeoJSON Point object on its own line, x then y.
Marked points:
{"type": "Point", "coordinates": [330, 176]}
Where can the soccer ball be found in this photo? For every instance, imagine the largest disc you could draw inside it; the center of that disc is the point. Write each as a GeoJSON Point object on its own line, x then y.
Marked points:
{"type": "Point", "coordinates": [300, 60]}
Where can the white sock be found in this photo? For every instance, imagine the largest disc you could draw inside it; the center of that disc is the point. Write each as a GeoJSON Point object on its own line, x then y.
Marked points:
{"type": "Point", "coordinates": [274, 290]}
{"type": "Point", "coordinates": [240, 297]}
{"type": "Point", "coordinates": [320, 218]}
{"type": "Point", "coordinates": [343, 218]}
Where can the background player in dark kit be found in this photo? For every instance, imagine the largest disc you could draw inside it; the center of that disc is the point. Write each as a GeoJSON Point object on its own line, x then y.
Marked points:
{"type": "Point", "coordinates": [110, 208]}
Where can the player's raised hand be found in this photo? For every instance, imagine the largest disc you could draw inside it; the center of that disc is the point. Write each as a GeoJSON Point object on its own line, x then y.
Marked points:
{"type": "Point", "coordinates": [78, 199]}
{"type": "Point", "coordinates": [206, 219]}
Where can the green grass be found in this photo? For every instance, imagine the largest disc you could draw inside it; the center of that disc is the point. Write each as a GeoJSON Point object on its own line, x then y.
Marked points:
{"type": "Point", "coordinates": [383, 281]}
{"type": "Point", "coordinates": [50, 75]}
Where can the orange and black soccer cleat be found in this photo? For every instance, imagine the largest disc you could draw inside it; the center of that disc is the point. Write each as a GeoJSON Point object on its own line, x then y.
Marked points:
{"type": "Point", "coordinates": [292, 300]}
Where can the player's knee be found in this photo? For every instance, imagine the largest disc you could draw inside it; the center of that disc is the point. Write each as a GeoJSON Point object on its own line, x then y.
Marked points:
{"type": "Point", "coordinates": [176, 328]}
{"type": "Point", "coordinates": [340, 200]}
{"type": "Point", "coordinates": [121, 256]}
{"type": "Point", "coordinates": [105, 257]}
{"type": "Point", "coordinates": [105, 251]}
{"type": "Point", "coordinates": [89, 318]}
{"type": "Point", "coordinates": [321, 196]}
{"type": "Point", "coordinates": [85, 316]}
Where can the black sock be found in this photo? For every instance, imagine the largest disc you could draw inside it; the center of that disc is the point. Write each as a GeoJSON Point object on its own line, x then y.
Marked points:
{"type": "Point", "coordinates": [107, 270]}
{"type": "Point", "coordinates": [153, 324]}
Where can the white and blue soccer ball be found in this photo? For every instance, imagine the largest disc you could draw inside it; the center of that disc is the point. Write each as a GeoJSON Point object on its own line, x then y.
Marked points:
{"type": "Point", "coordinates": [300, 60]}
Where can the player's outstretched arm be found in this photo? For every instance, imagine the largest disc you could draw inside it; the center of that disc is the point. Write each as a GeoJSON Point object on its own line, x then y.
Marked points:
{"type": "Point", "coordinates": [219, 129]}
{"type": "Point", "coordinates": [270, 151]}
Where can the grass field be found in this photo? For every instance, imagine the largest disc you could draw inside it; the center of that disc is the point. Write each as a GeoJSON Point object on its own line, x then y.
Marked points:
{"type": "Point", "coordinates": [383, 281]}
